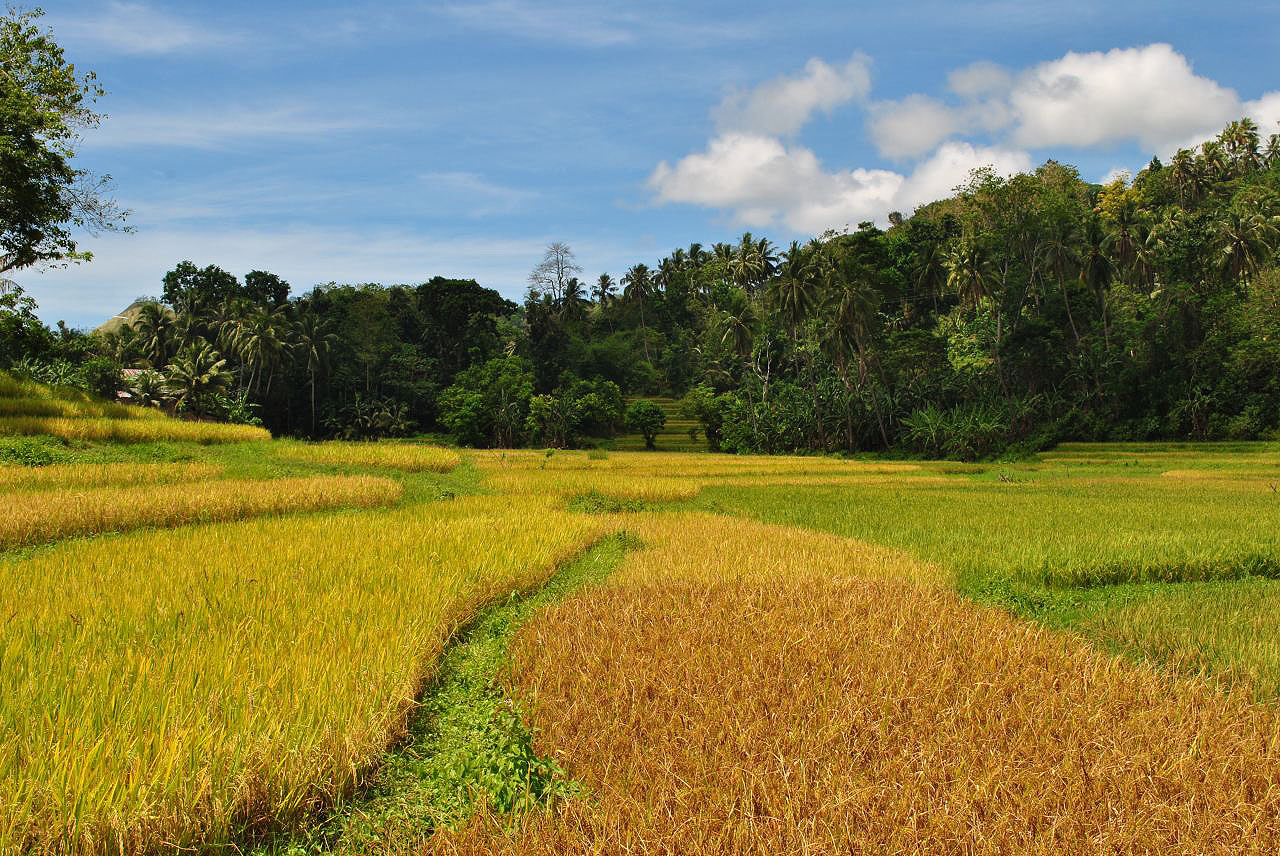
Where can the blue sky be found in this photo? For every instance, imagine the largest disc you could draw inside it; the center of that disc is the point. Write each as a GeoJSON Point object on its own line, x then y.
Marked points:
{"type": "Point", "coordinates": [392, 141]}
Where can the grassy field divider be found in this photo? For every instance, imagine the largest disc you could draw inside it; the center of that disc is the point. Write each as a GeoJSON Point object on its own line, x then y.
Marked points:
{"type": "Point", "coordinates": [468, 745]}
{"type": "Point", "coordinates": [34, 517]}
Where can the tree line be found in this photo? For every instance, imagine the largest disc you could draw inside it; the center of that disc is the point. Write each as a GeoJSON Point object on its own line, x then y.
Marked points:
{"type": "Point", "coordinates": [1021, 311]}
{"type": "Point", "coordinates": [1017, 312]}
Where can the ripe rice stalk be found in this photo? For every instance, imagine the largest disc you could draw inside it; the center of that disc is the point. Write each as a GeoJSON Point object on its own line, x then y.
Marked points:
{"type": "Point", "coordinates": [807, 702]}
{"type": "Point", "coordinates": [39, 516]}
{"type": "Point", "coordinates": [146, 430]}
{"type": "Point", "coordinates": [168, 689]}
{"type": "Point", "coordinates": [102, 475]}
{"type": "Point", "coordinates": [409, 457]}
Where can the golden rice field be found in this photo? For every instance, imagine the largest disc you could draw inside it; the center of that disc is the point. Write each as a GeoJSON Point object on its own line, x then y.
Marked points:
{"type": "Point", "coordinates": [736, 688]}
{"type": "Point", "coordinates": [37, 517]}
{"type": "Point", "coordinates": [250, 681]}
{"type": "Point", "coordinates": [804, 654]}
{"type": "Point", "coordinates": [408, 457]}
{"type": "Point", "coordinates": [102, 475]}
{"type": "Point", "coordinates": [28, 408]}
{"type": "Point", "coordinates": [116, 430]}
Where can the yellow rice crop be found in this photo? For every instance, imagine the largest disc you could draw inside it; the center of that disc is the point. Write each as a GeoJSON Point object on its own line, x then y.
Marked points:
{"type": "Point", "coordinates": [740, 689]}
{"type": "Point", "coordinates": [215, 676]}
{"type": "Point", "coordinates": [104, 429]}
{"type": "Point", "coordinates": [35, 517]}
{"type": "Point", "coordinates": [569, 483]}
{"type": "Point", "coordinates": [658, 477]}
{"type": "Point", "coordinates": [74, 408]}
{"type": "Point", "coordinates": [409, 457]}
{"type": "Point", "coordinates": [98, 475]}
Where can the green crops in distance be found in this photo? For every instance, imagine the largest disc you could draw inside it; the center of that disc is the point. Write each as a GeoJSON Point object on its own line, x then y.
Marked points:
{"type": "Point", "coordinates": [1091, 531]}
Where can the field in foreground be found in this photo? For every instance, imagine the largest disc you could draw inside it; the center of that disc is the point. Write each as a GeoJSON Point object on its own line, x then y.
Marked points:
{"type": "Point", "coordinates": [807, 652]}
{"type": "Point", "coordinates": [739, 688]}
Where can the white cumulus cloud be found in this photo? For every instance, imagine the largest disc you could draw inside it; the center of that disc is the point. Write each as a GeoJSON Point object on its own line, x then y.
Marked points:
{"type": "Point", "coordinates": [1149, 95]}
{"type": "Point", "coordinates": [764, 182]}
{"type": "Point", "coordinates": [913, 126]}
{"type": "Point", "coordinates": [783, 105]}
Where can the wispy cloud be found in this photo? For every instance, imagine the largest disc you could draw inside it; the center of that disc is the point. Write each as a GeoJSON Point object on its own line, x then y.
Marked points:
{"type": "Point", "coordinates": [588, 25]}
{"type": "Point", "coordinates": [139, 29]}
{"type": "Point", "coordinates": [224, 126]}
{"type": "Point", "coordinates": [594, 24]}
{"type": "Point", "coordinates": [474, 194]}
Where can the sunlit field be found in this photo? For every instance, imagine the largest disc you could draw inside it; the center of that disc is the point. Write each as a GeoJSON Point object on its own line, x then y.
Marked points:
{"type": "Point", "coordinates": [36, 516]}
{"type": "Point", "coordinates": [396, 456]}
{"type": "Point", "coordinates": [800, 652]}
{"type": "Point", "coordinates": [254, 677]}
{"type": "Point", "coordinates": [33, 409]}
{"type": "Point", "coordinates": [738, 687]}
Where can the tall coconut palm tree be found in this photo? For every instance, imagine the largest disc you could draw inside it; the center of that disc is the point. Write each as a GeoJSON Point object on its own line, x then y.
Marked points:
{"type": "Point", "coordinates": [1059, 254]}
{"type": "Point", "coordinates": [195, 373]}
{"type": "Point", "coordinates": [261, 343]}
{"type": "Point", "coordinates": [739, 326]}
{"type": "Point", "coordinates": [157, 334]}
{"type": "Point", "coordinates": [1244, 240]}
{"type": "Point", "coordinates": [794, 292]}
{"type": "Point", "coordinates": [605, 289]}
{"type": "Point", "coordinates": [1184, 172]}
{"type": "Point", "coordinates": [1271, 154]}
{"type": "Point", "coordinates": [1214, 163]}
{"type": "Point", "coordinates": [1095, 266]}
{"type": "Point", "coordinates": [968, 271]}
{"type": "Point", "coordinates": [315, 340]}
{"type": "Point", "coordinates": [573, 303]}
{"type": "Point", "coordinates": [637, 286]}
{"type": "Point", "coordinates": [1240, 143]}
{"type": "Point", "coordinates": [1125, 233]}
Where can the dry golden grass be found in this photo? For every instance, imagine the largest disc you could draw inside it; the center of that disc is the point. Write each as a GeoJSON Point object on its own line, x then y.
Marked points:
{"type": "Point", "coordinates": [409, 457]}
{"type": "Point", "coordinates": [721, 696]}
{"type": "Point", "coordinates": [36, 517]}
{"type": "Point", "coordinates": [221, 676]}
{"type": "Point", "coordinates": [97, 475]}
{"type": "Point", "coordinates": [140, 430]}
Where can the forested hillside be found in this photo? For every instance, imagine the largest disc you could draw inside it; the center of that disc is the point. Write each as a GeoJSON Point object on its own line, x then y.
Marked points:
{"type": "Point", "coordinates": [1021, 311]}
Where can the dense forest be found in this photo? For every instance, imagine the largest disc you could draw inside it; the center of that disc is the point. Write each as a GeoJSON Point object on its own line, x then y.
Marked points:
{"type": "Point", "coordinates": [1022, 311]}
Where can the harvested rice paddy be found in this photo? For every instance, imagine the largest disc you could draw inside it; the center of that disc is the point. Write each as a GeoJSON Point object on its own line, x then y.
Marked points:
{"type": "Point", "coordinates": [255, 648]}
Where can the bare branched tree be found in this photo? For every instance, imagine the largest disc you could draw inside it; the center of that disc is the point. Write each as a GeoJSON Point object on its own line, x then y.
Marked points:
{"type": "Point", "coordinates": [553, 273]}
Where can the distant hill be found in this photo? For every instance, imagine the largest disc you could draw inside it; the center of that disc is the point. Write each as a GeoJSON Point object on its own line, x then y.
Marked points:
{"type": "Point", "coordinates": [127, 316]}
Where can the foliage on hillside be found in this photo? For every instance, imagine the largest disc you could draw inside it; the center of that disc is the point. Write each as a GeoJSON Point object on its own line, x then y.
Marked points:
{"type": "Point", "coordinates": [1021, 311]}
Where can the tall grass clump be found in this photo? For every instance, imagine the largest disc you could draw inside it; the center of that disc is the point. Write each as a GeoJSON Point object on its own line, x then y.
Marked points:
{"type": "Point", "coordinates": [182, 689]}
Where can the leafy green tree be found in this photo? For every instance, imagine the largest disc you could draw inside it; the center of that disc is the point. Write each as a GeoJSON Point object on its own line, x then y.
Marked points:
{"type": "Point", "coordinates": [647, 419]}
{"type": "Point", "coordinates": [194, 291]}
{"type": "Point", "coordinates": [265, 289]}
{"type": "Point", "coordinates": [46, 107]}
{"type": "Point", "coordinates": [488, 404]}
{"type": "Point", "coordinates": [156, 334]}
